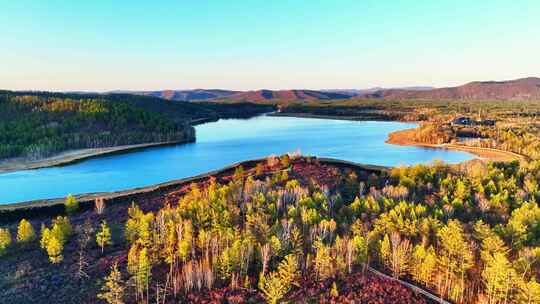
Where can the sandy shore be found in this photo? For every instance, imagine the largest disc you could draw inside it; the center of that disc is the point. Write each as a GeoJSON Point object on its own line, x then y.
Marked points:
{"type": "Point", "coordinates": [403, 138]}
{"type": "Point", "coordinates": [71, 156]}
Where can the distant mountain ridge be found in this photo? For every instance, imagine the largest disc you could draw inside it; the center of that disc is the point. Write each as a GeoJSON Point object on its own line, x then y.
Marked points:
{"type": "Point", "coordinates": [256, 95]}
{"type": "Point", "coordinates": [186, 95]}
{"type": "Point", "coordinates": [261, 95]}
{"type": "Point", "coordinates": [518, 89]}
{"type": "Point", "coordinates": [356, 92]}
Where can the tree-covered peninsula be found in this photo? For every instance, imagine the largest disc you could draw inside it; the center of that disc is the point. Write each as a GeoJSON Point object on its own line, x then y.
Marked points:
{"type": "Point", "coordinates": [35, 125]}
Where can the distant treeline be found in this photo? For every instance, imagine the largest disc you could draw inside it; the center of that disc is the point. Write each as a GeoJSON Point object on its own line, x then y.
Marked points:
{"type": "Point", "coordinates": [362, 112]}
{"type": "Point", "coordinates": [39, 124]}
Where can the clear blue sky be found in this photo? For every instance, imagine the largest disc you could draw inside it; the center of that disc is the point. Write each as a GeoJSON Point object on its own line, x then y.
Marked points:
{"type": "Point", "coordinates": [106, 45]}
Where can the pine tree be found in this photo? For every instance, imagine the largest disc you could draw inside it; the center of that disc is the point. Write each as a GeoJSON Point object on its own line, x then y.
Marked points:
{"type": "Point", "coordinates": [277, 283]}
{"type": "Point", "coordinates": [361, 245]}
{"type": "Point", "coordinates": [271, 287]}
{"type": "Point", "coordinates": [498, 277]}
{"type": "Point", "coordinates": [225, 265]}
{"type": "Point", "coordinates": [385, 251]}
{"type": "Point", "coordinates": [133, 260]}
{"type": "Point", "coordinates": [54, 248]}
{"type": "Point", "coordinates": [288, 271]}
{"type": "Point", "coordinates": [45, 236]}
{"type": "Point", "coordinates": [112, 291]}
{"type": "Point", "coordinates": [454, 259]}
{"type": "Point", "coordinates": [25, 232]}
{"type": "Point", "coordinates": [71, 204]}
{"type": "Point", "coordinates": [53, 240]}
{"type": "Point", "coordinates": [400, 255]}
{"type": "Point", "coordinates": [529, 292]}
{"type": "Point", "coordinates": [144, 270]}
{"type": "Point", "coordinates": [334, 290]}
{"type": "Point", "coordinates": [323, 261]}
{"type": "Point", "coordinates": [103, 237]}
{"type": "Point", "coordinates": [61, 228]}
{"type": "Point", "coordinates": [423, 264]}
{"type": "Point", "coordinates": [5, 240]}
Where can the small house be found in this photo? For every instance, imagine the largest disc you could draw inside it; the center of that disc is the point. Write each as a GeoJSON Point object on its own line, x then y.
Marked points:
{"type": "Point", "coordinates": [462, 121]}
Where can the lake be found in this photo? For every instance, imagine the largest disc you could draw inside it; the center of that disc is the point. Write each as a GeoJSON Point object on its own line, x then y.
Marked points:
{"type": "Point", "coordinates": [219, 144]}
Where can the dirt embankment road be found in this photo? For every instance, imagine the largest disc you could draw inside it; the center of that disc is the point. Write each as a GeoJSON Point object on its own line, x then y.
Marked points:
{"type": "Point", "coordinates": [405, 138]}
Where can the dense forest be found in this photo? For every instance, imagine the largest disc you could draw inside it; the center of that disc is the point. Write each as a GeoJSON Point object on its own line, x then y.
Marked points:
{"type": "Point", "coordinates": [34, 125]}
{"type": "Point", "coordinates": [432, 110]}
{"type": "Point", "coordinates": [521, 138]}
{"type": "Point", "coordinates": [293, 229]}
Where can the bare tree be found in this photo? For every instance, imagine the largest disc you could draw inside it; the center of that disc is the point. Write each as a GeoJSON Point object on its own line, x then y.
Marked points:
{"type": "Point", "coordinates": [100, 205]}
{"type": "Point", "coordinates": [84, 236]}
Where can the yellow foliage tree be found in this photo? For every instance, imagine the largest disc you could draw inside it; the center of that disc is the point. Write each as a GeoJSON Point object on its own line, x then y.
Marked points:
{"type": "Point", "coordinates": [103, 237]}
{"type": "Point", "coordinates": [276, 284]}
{"type": "Point", "coordinates": [529, 292]}
{"type": "Point", "coordinates": [54, 249]}
{"type": "Point", "coordinates": [5, 240]}
{"type": "Point", "coordinates": [71, 204]}
{"type": "Point", "coordinates": [499, 277]}
{"type": "Point", "coordinates": [53, 239]}
{"type": "Point", "coordinates": [113, 290]}
{"type": "Point", "coordinates": [25, 232]}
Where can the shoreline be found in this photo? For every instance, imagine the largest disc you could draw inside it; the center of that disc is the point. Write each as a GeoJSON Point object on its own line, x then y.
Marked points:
{"type": "Point", "coordinates": [74, 156]}
{"type": "Point", "coordinates": [333, 117]}
{"type": "Point", "coordinates": [86, 200]}
{"type": "Point", "coordinates": [77, 155]}
{"type": "Point", "coordinates": [402, 138]}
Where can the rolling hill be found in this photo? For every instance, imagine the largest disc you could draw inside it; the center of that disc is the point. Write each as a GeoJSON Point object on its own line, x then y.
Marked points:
{"type": "Point", "coordinates": [251, 96]}
{"type": "Point", "coordinates": [188, 95]}
{"type": "Point", "coordinates": [36, 125]}
{"type": "Point", "coordinates": [261, 95]}
{"type": "Point", "coordinates": [518, 89]}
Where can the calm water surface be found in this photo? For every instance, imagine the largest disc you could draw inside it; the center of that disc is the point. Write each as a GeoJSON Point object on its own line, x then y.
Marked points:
{"type": "Point", "coordinates": [219, 144]}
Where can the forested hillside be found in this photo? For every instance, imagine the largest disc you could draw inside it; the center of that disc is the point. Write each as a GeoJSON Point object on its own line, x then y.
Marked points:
{"type": "Point", "coordinates": [291, 230]}
{"type": "Point", "coordinates": [39, 124]}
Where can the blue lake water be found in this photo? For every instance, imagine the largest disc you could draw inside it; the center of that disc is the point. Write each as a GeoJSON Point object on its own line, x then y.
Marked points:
{"type": "Point", "coordinates": [219, 144]}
